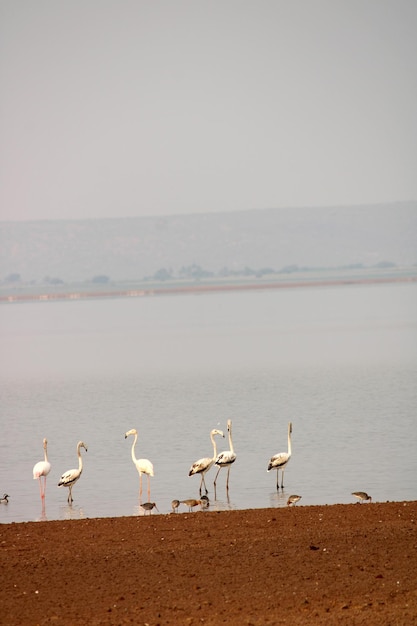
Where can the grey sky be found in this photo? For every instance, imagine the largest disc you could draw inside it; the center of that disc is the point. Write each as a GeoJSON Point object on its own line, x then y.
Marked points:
{"type": "Point", "coordinates": [128, 107]}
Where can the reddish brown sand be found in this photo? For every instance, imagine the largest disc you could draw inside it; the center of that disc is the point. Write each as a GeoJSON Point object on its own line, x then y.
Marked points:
{"type": "Point", "coordinates": [341, 564]}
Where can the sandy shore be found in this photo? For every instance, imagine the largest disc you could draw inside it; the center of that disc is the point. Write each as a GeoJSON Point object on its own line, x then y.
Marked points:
{"type": "Point", "coordinates": [341, 564]}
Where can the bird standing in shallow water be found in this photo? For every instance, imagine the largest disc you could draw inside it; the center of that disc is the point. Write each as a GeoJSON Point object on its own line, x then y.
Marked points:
{"type": "Point", "coordinates": [292, 500]}
{"type": "Point", "coordinates": [191, 503]}
{"type": "Point", "coordinates": [144, 466]}
{"type": "Point", "coordinates": [69, 478]}
{"type": "Point", "coordinates": [225, 459]}
{"type": "Point", "coordinates": [148, 506]}
{"type": "Point", "coordinates": [205, 502]}
{"type": "Point", "coordinates": [280, 460]}
{"type": "Point", "coordinates": [362, 496]}
{"type": "Point", "coordinates": [41, 470]}
{"type": "Point", "coordinates": [203, 465]}
{"type": "Point", "coordinates": [5, 499]}
{"type": "Point", "coordinates": [175, 504]}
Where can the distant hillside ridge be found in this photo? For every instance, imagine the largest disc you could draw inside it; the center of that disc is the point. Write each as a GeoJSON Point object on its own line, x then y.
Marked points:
{"type": "Point", "coordinates": [126, 249]}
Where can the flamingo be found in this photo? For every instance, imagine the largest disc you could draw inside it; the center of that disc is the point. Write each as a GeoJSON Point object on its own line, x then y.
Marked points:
{"type": "Point", "coordinates": [191, 503]}
{"type": "Point", "coordinates": [280, 460]}
{"type": "Point", "coordinates": [144, 466]}
{"type": "Point", "coordinates": [292, 500]}
{"type": "Point", "coordinates": [5, 499]}
{"type": "Point", "coordinates": [203, 465]}
{"type": "Point", "coordinates": [69, 478]}
{"type": "Point", "coordinates": [42, 469]}
{"type": "Point", "coordinates": [362, 496]}
{"type": "Point", "coordinates": [225, 459]}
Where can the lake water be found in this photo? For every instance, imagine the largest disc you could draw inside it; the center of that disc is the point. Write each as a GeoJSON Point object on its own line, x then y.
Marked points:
{"type": "Point", "coordinates": [339, 362]}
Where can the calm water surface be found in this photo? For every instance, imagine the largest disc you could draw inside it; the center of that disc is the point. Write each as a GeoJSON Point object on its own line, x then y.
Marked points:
{"type": "Point", "coordinates": [339, 362]}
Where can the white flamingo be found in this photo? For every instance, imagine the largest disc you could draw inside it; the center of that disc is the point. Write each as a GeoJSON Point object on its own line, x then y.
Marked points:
{"type": "Point", "coordinates": [203, 465]}
{"type": "Point", "coordinates": [280, 460]}
{"type": "Point", "coordinates": [144, 466]}
{"type": "Point", "coordinates": [225, 459]}
{"type": "Point", "coordinates": [69, 478]}
{"type": "Point", "coordinates": [41, 470]}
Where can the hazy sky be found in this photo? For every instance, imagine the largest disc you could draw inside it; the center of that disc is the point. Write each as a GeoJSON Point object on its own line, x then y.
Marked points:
{"type": "Point", "coordinates": [131, 107]}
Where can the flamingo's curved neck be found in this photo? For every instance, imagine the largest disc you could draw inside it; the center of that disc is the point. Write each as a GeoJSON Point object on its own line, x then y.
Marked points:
{"type": "Point", "coordinates": [45, 452]}
{"type": "Point", "coordinates": [230, 438]}
{"type": "Point", "coordinates": [213, 441]}
{"type": "Point", "coordinates": [80, 459]}
{"type": "Point", "coordinates": [289, 440]}
{"type": "Point", "coordinates": [134, 459]}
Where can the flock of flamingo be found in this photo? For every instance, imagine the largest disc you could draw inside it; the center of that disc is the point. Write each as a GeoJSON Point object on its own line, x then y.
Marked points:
{"type": "Point", "coordinates": [144, 466]}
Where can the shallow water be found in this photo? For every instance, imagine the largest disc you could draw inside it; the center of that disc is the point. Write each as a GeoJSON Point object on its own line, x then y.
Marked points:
{"type": "Point", "coordinates": [339, 362]}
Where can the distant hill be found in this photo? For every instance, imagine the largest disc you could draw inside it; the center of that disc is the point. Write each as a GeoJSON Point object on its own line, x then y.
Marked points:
{"type": "Point", "coordinates": [134, 248]}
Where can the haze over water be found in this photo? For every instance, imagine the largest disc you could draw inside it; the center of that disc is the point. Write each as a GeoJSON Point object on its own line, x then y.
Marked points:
{"type": "Point", "coordinates": [339, 362]}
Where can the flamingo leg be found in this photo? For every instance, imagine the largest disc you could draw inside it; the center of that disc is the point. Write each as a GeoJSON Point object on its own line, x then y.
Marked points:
{"type": "Point", "coordinates": [203, 482]}
{"type": "Point", "coordinates": [149, 490]}
{"type": "Point", "coordinates": [215, 480]}
{"type": "Point", "coordinates": [282, 479]}
{"type": "Point", "coordinates": [70, 494]}
{"type": "Point", "coordinates": [40, 487]}
{"type": "Point", "coordinates": [277, 480]}
{"type": "Point", "coordinates": [140, 486]}
{"type": "Point", "coordinates": [227, 481]}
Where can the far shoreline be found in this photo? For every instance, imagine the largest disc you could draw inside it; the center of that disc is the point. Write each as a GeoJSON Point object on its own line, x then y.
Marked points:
{"type": "Point", "coordinates": [143, 290]}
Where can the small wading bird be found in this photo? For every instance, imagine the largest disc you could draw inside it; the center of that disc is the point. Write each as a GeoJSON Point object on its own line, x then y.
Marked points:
{"type": "Point", "coordinates": [362, 496]}
{"type": "Point", "coordinates": [205, 502]}
{"type": "Point", "coordinates": [225, 459]}
{"type": "Point", "coordinates": [69, 478]}
{"type": "Point", "coordinates": [148, 506]}
{"type": "Point", "coordinates": [191, 503]}
{"type": "Point", "coordinates": [280, 460]}
{"type": "Point", "coordinates": [144, 466]}
{"type": "Point", "coordinates": [5, 499]}
{"type": "Point", "coordinates": [175, 504]}
{"type": "Point", "coordinates": [203, 465]}
{"type": "Point", "coordinates": [41, 470]}
{"type": "Point", "coordinates": [292, 500]}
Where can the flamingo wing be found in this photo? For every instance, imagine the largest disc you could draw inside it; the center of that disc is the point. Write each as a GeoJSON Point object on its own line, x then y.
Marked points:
{"type": "Point", "coordinates": [226, 458]}
{"type": "Point", "coordinates": [279, 460]}
{"type": "Point", "coordinates": [42, 468]}
{"type": "Point", "coordinates": [144, 466]}
{"type": "Point", "coordinates": [202, 465]}
{"type": "Point", "coordinates": [69, 478]}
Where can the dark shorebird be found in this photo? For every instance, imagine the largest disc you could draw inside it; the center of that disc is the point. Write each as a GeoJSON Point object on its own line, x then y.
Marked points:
{"type": "Point", "coordinates": [175, 504]}
{"type": "Point", "coordinates": [292, 500]}
{"type": "Point", "coordinates": [148, 506]}
{"type": "Point", "coordinates": [280, 461]}
{"type": "Point", "coordinates": [203, 465]}
{"type": "Point", "coordinates": [362, 496]}
{"type": "Point", "coordinates": [191, 503]}
{"type": "Point", "coordinates": [205, 502]}
{"type": "Point", "coordinates": [5, 499]}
